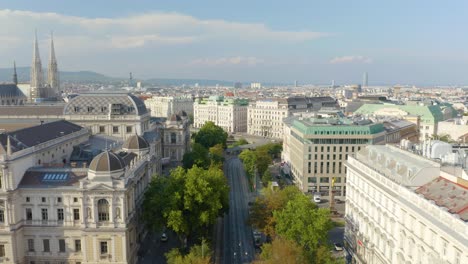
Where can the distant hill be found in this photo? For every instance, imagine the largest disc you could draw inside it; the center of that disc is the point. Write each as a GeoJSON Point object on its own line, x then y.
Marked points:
{"type": "Point", "coordinates": [94, 77]}
{"type": "Point", "coordinates": [65, 76]}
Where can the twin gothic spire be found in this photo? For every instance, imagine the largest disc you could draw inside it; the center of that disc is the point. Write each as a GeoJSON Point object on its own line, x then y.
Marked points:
{"type": "Point", "coordinates": [39, 89]}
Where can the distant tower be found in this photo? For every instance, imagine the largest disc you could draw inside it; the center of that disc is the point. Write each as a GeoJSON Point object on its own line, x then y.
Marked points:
{"type": "Point", "coordinates": [52, 74]}
{"type": "Point", "coordinates": [365, 80]}
{"type": "Point", "coordinates": [333, 84]}
{"type": "Point", "coordinates": [295, 83]}
{"type": "Point", "coordinates": [37, 76]}
{"type": "Point", "coordinates": [130, 80]}
{"type": "Point", "coordinates": [15, 76]}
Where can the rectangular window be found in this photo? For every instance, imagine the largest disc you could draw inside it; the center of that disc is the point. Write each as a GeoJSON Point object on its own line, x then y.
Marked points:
{"type": "Point", "coordinates": [324, 180]}
{"type": "Point", "coordinates": [44, 214]}
{"type": "Point", "coordinates": [2, 216]}
{"type": "Point", "coordinates": [78, 245]}
{"type": "Point", "coordinates": [115, 129]}
{"type": "Point", "coordinates": [62, 245]}
{"type": "Point", "coordinates": [28, 214]}
{"type": "Point", "coordinates": [60, 214]}
{"type": "Point", "coordinates": [2, 251]}
{"type": "Point", "coordinates": [59, 199]}
{"type": "Point", "coordinates": [43, 199]}
{"type": "Point", "coordinates": [103, 247]}
{"type": "Point", "coordinates": [76, 214]}
{"type": "Point", "coordinates": [457, 257]}
{"type": "Point", "coordinates": [75, 200]}
{"type": "Point", "coordinates": [102, 129]}
{"type": "Point", "coordinates": [28, 199]}
{"type": "Point", "coordinates": [46, 245]}
{"type": "Point", "coordinates": [30, 244]}
{"type": "Point", "coordinates": [310, 156]}
{"type": "Point", "coordinates": [444, 248]}
{"type": "Point", "coordinates": [129, 129]}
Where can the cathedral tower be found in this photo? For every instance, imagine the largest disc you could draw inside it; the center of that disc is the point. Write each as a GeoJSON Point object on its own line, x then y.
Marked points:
{"type": "Point", "coordinates": [37, 84]}
{"type": "Point", "coordinates": [15, 76]}
{"type": "Point", "coordinates": [52, 74]}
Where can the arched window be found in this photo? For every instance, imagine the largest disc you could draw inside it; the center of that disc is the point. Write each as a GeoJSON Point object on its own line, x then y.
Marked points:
{"type": "Point", "coordinates": [103, 210]}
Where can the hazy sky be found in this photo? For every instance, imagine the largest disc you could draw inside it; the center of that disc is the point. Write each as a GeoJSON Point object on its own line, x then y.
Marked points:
{"type": "Point", "coordinates": [406, 42]}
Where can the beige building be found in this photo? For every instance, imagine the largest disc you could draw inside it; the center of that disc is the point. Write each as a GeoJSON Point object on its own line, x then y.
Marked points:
{"type": "Point", "coordinates": [176, 138]}
{"type": "Point", "coordinates": [315, 150]}
{"type": "Point", "coordinates": [230, 114]}
{"type": "Point", "coordinates": [265, 117]}
{"type": "Point", "coordinates": [160, 106]}
{"type": "Point", "coordinates": [114, 114]}
{"type": "Point", "coordinates": [405, 208]}
{"type": "Point", "coordinates": [53, 210]}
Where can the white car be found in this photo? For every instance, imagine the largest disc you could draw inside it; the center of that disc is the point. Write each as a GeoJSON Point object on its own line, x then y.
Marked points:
{"type": "Point", "coordinates": [338, 246]}
{"type": "Point", "coordinates": [317, 198]}
{"type": "Point", "coordinates": [163, 237]}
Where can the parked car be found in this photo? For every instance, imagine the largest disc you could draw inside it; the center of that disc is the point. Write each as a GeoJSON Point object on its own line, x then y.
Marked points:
{"type": "Point", "coordinates": [338, 246]}
{"type": "Point", "coordinates": [317, 197]}
{"type": "Point", "coordinates": [163, 237]}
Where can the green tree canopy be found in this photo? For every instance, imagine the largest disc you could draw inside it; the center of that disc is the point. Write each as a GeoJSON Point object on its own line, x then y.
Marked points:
{"type": "Point", "coordinates": [262, 217]}
{"type": "Point", "coordinates": [263, 161]}
{"type": "Point", "coordinates": [216, 155]}
{"type": "Point", "coordinates": [282, 251]}
{"type": "Point", "coordinates": [186, 201]}
{"type": "Point", "coordinates": [303, 222]}
{"type": "Point", "coordinates": [198, 156]}
{"type": "Point", "coordinates": [199, 254]}
{"type": "Point", "coordinates": [210, 135]}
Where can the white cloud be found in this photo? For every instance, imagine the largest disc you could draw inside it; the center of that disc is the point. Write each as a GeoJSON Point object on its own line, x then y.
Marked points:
{"type": "Point", "coordinates": [149, 29]}
{"type": "Point", "coordinates": [351, 59]}
{"type": "Point", "coordinates": [237, 60]}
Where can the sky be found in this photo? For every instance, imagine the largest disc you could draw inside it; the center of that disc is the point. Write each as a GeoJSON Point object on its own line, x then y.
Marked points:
{"type": "Point", "coordinates": [396, 42]}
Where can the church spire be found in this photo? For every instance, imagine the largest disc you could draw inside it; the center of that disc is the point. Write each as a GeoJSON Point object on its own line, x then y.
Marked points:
{"type": "Point", "coordinates": [52, 74]}
{"type": "Point", "coordinates": [15, 76]}
{"type": "Point", "coordinates": [36, 72]}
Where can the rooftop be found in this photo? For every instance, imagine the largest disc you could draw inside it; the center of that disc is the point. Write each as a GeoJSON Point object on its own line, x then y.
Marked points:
{"type": "Point", "coordinates": [32, 136]}
{"type": "Point", "coordinates": [447, 194]}
{"type": "Point", "coordinates": [335, 126]}
{"type": "Point", "coordinates": [429, 113]}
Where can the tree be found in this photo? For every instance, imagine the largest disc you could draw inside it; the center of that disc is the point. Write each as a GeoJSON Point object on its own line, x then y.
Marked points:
{"type": "Point", "coordinates": [263, 161]}
{"type": "Point", "coordinates": [304, 223]}
{"type": "Point", "coordinates": [262, 217]}
{"type": "Point", "coordinates": [266, 177]}
{"type": "Point", "coordinates": [240, 142]}
{"type": "Point", "coordinates": [323, 255]}
{"type": "Point", "coordinates": [210, 135]}
{"type": "Point", "coordinates": [274, 149]}
{"type": "Point", "coordinates": [199, 254]}
{"type": "Point", "coordinates": [186, 201]}
{"type": "Point", "coordinates": [282, 251]}
{"type": "Point", "coordinates": [198, 156]}
{"type": "Point", "coordinates": [216, 155]}
{"type": "Point", "coordinates": [249, 159]}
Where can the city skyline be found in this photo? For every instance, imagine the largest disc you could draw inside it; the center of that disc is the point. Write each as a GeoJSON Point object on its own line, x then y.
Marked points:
{"type": "Point", "coordinates": [308, 42]}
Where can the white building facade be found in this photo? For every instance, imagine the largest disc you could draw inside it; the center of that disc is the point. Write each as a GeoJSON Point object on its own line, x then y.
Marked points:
{"type": "Point", "coordinates": [55, 212]}
{"type": "Point", "coordinates": [229, 114]}
{"type": "Point", "coordinates": [265, 117]}
{"type": "Point", "coordinates": [161, 106]}
{"type": "Point", "coordinates": [404, 208]}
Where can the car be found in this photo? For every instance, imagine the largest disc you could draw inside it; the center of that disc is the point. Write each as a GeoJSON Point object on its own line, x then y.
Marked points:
{"type": "Point", "coordinates": [338, 246]}
{"type": "Point", "coordinates": [317, 197]}
{"type": "Point", "coordinates": [163, 237]}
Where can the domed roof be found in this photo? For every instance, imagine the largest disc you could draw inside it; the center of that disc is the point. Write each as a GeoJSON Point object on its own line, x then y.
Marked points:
{"type": "Point", "coordinates": [175, 118]}
{"type": "Point", "coordinates": [107, 162]}
{"type": "Point", "coordinates": [135, 142]}
{"type": "Point", "coordinates": [183, 113]}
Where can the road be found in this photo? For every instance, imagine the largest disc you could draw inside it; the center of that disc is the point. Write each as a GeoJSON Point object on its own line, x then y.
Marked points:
{"type": "Point", "coordinates": [153, 249]}
{"type": "Point", "coordinates": [238, 247]}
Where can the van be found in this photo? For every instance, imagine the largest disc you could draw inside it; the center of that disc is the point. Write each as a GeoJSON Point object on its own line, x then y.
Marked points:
{"type": "Point", "coordinates": [317, 197]}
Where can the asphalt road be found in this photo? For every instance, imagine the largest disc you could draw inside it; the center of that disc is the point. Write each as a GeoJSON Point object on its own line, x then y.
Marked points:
{"type": "Point", "coordinates": [153, 249]}
{"type": "Point", "coordinates": [238, 244]}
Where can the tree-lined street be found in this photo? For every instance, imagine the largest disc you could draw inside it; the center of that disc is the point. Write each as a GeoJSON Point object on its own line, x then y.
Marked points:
{"type": "Point", "coordinates": [238, 245]}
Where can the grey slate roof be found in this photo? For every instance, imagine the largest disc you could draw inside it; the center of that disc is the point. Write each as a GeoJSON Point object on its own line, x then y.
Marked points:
{"type": "Point", "coordinates": [10, 89]}
{"type": "Point", "coordinates": [32, 136]}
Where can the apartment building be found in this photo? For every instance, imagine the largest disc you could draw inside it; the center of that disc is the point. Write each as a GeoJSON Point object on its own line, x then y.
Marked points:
{"type": "Point", "coordinates": [402, 207]}
{"type": "Point", "coordinates": [316, 148]}
{"type": "Point", "coordinates": [265, 116]}
{"type": "Point", "coordinates": [176, 138]}
{"type": "Point", "coordinates": [228, 113]}
{"type": "Point", "coordinates": [165, 106]}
